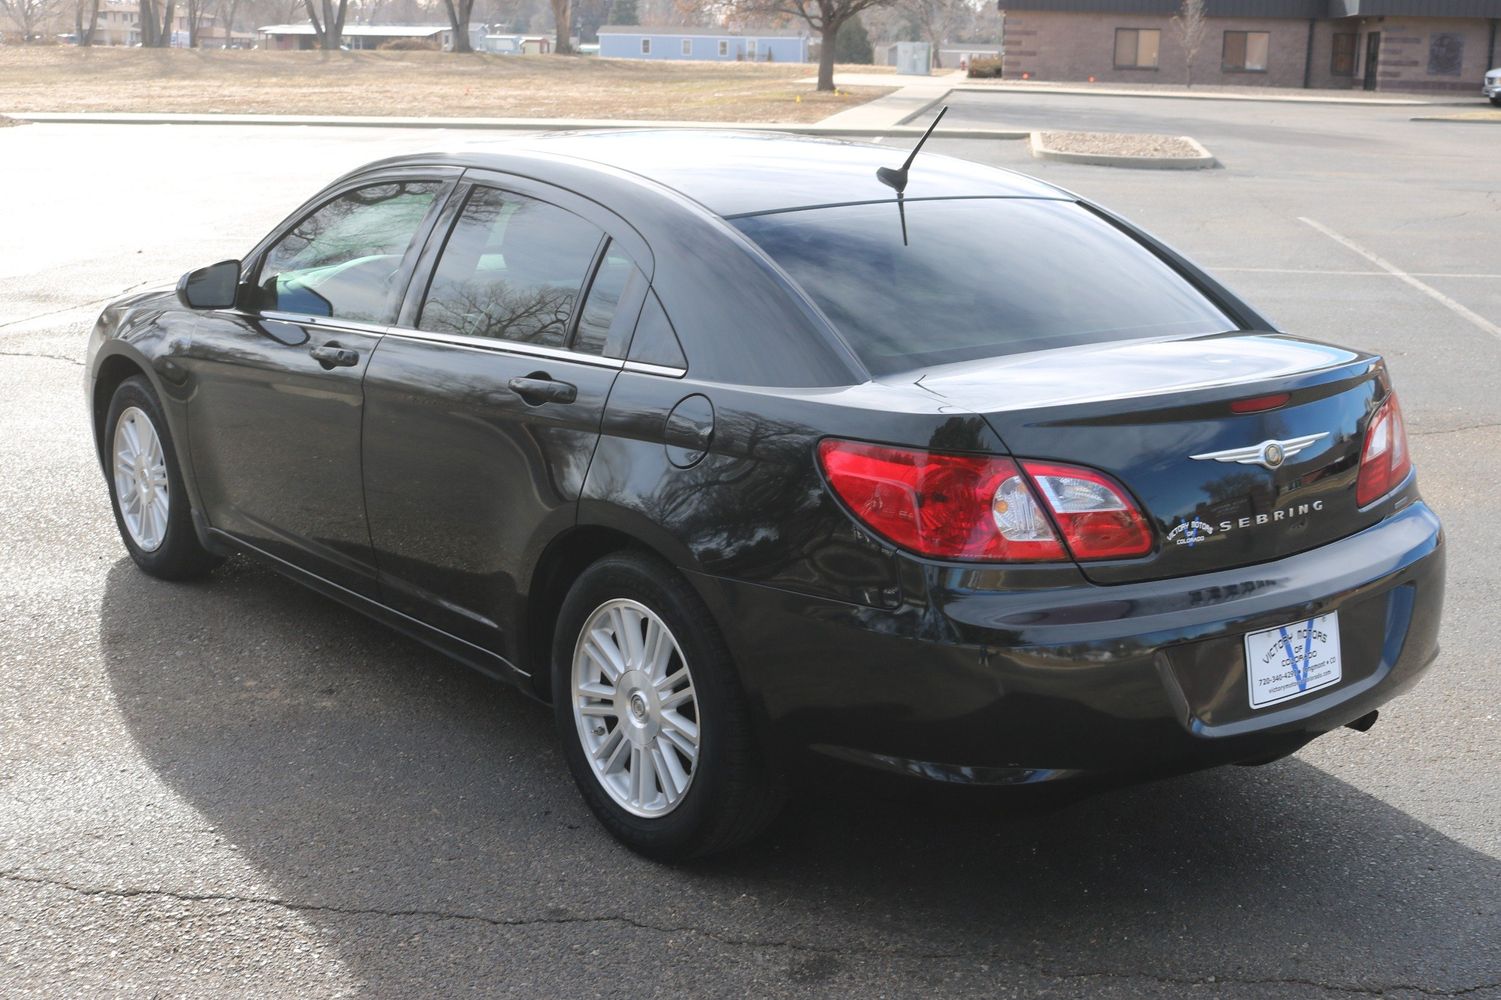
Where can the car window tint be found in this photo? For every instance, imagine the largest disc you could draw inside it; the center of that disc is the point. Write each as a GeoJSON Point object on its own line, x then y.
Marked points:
{"type": "Point", "coordinates": [343, 260]}
{"type": "Point", "coordinates": [616, 271]}
{"type": "Point", "coordinates": [511, 269]}
{"type": "Point", "coordinates": [655, 343]}
{"type": "Point", "coordinates": [978, 278]}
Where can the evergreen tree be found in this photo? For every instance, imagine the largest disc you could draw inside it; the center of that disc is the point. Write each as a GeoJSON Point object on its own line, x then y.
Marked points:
{"type": "Point", "coordinates": [852, 44]}
{"type": "Point", "coordinates": [624, 12]}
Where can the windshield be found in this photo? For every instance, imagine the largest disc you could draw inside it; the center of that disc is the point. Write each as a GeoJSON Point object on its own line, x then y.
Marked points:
{"type": "Point", "coordinates": [980, 278]}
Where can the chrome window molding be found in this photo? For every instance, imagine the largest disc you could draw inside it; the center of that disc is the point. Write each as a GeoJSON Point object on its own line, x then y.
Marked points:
{"type": "Point", "coordinates": [649, 369]}
{"type": "Point", "coordinates": [495, 344]}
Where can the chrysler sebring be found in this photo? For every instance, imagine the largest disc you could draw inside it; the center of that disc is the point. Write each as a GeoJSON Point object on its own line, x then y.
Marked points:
{"type": "Point", "coordinates": [742, 455]}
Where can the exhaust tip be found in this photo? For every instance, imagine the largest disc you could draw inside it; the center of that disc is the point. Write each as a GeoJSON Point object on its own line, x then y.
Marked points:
{"type": "Point", "coordinates": [1364, 723]}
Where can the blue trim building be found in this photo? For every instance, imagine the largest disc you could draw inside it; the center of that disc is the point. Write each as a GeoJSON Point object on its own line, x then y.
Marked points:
{"type": "Point", "coordinates": [634, 41]}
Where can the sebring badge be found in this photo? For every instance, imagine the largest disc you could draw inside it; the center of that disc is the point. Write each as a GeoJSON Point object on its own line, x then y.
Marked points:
{"type": "Point", "coordinates": [1268, 453]}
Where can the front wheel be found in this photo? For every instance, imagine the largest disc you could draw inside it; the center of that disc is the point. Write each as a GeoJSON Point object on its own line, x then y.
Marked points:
{"type": "Point", "coordinates": [1496, 101]}
{"type": "Point", "coordinates": [654, 726]}
{"type": "Point", "coordinates": [145, 487]}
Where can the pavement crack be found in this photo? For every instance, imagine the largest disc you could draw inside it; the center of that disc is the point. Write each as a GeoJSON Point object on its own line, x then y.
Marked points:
{"type": "Point", "coordinates": [1043, 969]}
{"type": "Point", "coordinates": [37, 354]}
{"type": "Point", "coordinates": [1455, 430]}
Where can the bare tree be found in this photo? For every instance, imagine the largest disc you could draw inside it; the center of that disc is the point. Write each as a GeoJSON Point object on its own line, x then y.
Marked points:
{"type": "Point", "coordinates": [459, 13]}
{"type": "Point", "coordinates": [1191, 27]}
{"type": "Point", "coordinates": [85, 34]}
{"type": "Point", "coordinates": [562, 14]}
{"type": "Point", "coordinates": [156, 32]}
{"type": "Point", "coordinates": [329, 28]}
{"type": "Point", "coordinates": [937, 18]}
{"type": "Point", "coordinates": [824, 16]}
{"type": "Point", "coordinates": [29, 15]}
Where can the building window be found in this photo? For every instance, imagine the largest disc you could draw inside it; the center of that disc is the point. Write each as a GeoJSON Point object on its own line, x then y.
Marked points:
{"type": "Point", "coordinates": [1136, 48]}
{"type": "Point", "coordinates": [646, 46]}
{"type": "Point", "coordinates": [724, 47]}
{"type": "Point", "coordinates": [1446, 53]}
{"type": "Point", "coordinates": [750, 49]}
{"type": "Point", "coordinates": [687, 46]}
{"type": "Point", "coordinates": [1245, 51]}
{"type": "Point", "coordinates": [1342, 62]}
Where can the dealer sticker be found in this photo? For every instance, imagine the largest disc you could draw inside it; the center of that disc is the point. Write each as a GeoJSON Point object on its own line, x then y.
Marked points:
{"type": "Point", "coordinates": [1292, 660]}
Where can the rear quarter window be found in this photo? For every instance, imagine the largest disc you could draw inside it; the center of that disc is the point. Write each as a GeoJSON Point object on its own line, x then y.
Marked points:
{"type": "Point", "coordinates": [978, 278]}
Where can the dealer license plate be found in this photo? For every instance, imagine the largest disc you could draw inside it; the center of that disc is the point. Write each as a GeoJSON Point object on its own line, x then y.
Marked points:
{"type": "Point", "coordinates": [1292, 660]}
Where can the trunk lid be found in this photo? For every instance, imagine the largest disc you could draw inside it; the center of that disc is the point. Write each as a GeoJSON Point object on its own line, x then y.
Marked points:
{"type": "Point", "coordinates": [1157, 416]}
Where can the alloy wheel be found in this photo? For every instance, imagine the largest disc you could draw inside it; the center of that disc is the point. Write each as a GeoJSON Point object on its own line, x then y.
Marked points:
{"type": "Point", "coordinates": [635, 708]}
{"type": "Point", "coordinates": [140, 467]}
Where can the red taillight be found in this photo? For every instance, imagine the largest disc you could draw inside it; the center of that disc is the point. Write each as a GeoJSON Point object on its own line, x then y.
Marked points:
{"type": "Point", "coordinates": [975, 507]}
{"type": "Point", "coordinates": [1260, 404]}
{"type": "Point", "coordinates": [1385, 461]}
{"type": "Point", "coordinates": [1097, 518]}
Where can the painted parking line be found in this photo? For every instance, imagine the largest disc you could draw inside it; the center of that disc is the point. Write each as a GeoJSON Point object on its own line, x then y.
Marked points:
{"type": "Point", "coordinates": [1397, 272]}
{"type": "Point", "coordinates": [1353, 274]}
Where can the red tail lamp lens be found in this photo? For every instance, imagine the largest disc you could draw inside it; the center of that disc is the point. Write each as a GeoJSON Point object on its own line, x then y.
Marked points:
{"type": "Point", "coordinates": [1385, 460]}
{"type": "Point", "coordinates": [981, 508]}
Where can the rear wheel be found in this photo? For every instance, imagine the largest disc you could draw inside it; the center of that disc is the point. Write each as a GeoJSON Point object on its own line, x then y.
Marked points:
{"type": "Point", "coordinates": [654, 726]}
{"type": "Point", "coordinates": [1496, 101]}
{"type": "Point", "coordinates": [145, 487]}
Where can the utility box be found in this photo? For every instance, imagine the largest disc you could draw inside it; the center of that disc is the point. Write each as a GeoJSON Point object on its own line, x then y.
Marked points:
{"type": "Point", "coordinates": [914, 58]}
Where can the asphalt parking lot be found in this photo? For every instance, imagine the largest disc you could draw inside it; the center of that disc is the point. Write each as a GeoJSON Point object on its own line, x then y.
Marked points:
{"type": "Point", "coordinates": [239, 788]}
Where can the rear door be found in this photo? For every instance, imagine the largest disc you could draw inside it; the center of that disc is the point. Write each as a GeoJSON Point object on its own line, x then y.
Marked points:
{"type": "Point", "coordinates": [483, 405]}
{"type": "Point", "coordinates": [275, 410]}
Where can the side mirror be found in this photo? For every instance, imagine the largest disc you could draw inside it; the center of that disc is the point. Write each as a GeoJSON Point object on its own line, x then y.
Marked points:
{"type": "Point", "coordinates": [214, 287]}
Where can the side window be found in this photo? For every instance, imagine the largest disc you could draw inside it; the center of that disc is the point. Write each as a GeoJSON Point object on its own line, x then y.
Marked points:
{"type": "Point", "coordinates": [655, 343]}
{"type": "Point", "coordinates": [511, 269]}
{"type": "Point", "coordinates": [599, 317]}
{"type": "Point", "coordinates": [342, 260]}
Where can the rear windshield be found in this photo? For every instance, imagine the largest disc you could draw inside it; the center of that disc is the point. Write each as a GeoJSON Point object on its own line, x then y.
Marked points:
{"type": "Point", "coordinates": [979, 278]}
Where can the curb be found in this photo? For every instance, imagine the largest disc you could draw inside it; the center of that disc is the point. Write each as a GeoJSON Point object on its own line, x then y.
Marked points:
{"type": "Point", "coordinates": [1203, 160]}
{"type": "Point", "coordinates": [1450, 120]}
{"type": "Point", "coordinates": [1395, 102]}
{"type": "Point", "coordinates": [499, 124]}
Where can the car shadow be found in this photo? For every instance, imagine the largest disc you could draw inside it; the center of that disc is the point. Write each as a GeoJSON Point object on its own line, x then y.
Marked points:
{"type": "Point", "coordinates": [420, 816]}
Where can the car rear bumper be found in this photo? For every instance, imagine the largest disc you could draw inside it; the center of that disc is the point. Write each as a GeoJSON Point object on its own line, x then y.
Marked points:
{"type": "Point", "coordinates": [1023, 686]}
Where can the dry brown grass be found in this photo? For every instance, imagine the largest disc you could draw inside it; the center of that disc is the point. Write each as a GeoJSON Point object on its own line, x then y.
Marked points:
{"type": "Point", "coordinates": [409, 83]}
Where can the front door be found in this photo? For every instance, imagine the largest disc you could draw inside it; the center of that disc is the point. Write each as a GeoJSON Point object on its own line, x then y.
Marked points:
{"type": "Point", "coordinates": [483, 407]}
{"type": "Point", "coordinates": [274, 419]}
{"type": "Point", "coordinates": [1372, 58]}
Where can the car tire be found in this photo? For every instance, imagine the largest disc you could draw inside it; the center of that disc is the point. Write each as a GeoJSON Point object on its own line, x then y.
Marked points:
{"type": "Point", "coordinates": [627, 748]}
{"type": "Point", "coordinates": [1496, 101]}
{"type": "Point", "coordinates": [146, 489]}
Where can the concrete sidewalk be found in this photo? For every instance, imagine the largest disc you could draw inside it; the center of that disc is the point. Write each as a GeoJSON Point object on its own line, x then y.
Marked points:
{"type": "Point", "coordinates": [934, 88]}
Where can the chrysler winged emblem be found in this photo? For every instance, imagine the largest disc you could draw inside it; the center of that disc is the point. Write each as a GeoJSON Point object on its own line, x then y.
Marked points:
{"type": "Point", "coordinates": [1268, 453]}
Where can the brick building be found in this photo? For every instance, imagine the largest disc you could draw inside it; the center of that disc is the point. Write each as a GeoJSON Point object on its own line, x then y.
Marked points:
{"type": "Point", "coordinates": [1394, 45]}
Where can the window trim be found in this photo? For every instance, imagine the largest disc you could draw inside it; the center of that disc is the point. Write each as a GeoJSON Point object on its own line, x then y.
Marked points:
{"type": "Point", "coordinates": [1225, 41]}
{"type": "Point", "coordinates": [447, 179]}
{"type": "Point", "coordinates": [724, 46]}
{"type": "Point", "coordinates": [1138, 64]}
{"type": "Point", "coordinates": [646, 46]}
{"type": "Point", "coordinates": [687, 47]}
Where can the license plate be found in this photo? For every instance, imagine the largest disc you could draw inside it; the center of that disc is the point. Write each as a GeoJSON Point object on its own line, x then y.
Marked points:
{"type": "Point", "coordinates": [1292, 660]}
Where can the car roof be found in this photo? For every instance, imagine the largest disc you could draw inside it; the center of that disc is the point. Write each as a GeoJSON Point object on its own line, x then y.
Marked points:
{"type": "Point", "coordinates": [741, 173]}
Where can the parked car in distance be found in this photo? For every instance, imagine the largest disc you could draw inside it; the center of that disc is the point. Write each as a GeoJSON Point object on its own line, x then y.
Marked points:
{"type": "Point", "coordinates": [742, 459]}
{"type": "Point", "coordinates": [1492, 87]}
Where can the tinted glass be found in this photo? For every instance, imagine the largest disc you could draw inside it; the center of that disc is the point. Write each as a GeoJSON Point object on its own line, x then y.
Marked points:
{"type": "Point", "coordinates": [344, 259]}
{"type": "Point", "coordinates": [979, 278]}
{"type": "Point", "coordinates": [511, 269]}
{"type": "Point", "coordinates": [655, 343]}
{"type": "Point", "coordinates": [615, 272]}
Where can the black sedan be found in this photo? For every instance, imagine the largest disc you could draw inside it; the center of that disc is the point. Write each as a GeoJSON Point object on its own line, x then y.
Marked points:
{"type": "Point", "coordinates": [737, 456]}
